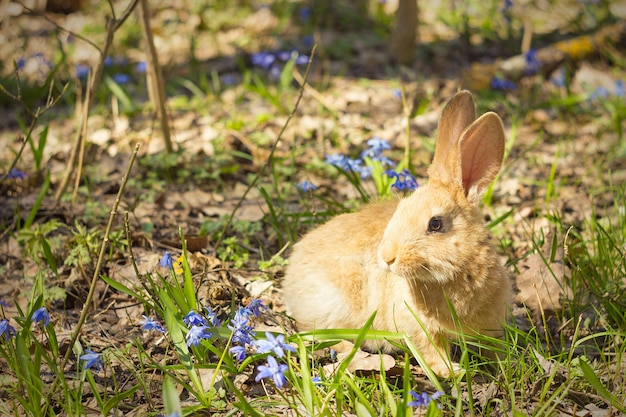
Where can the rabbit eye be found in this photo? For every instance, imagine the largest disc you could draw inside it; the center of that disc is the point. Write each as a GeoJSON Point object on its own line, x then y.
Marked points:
{"type": "Point", "coordinates": [435, 224]}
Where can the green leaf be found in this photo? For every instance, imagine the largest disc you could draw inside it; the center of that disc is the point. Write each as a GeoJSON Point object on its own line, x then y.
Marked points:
{"type": "Point", "coordinates": [170, 397]}
{"type": "Point", "coordinates": [118, 398]}
{"type": "Point", "coordinates": [597, 385]}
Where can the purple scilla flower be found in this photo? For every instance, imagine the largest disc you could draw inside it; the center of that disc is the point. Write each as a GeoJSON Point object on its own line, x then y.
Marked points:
{"type": "Point", "coordinates": [498, 83]}
{"type": "Point", "coordinates": [166, 261]}
{"type": "Point", "coordinates": [6, 329]}
{"type": "Point", "coordinates": [306, 186]}
{"type": "Point", "coordinates": [285, 55]}
{"type": "Point", "coordinates": [108, 61]}
{"type": "Point", "coordinates": [229, 79]}
{"type": "Point", "coordinates": [356, 166]}
{"type": "Point", "coordinates": [423, 399]}
{"type": "Point", "coordinates": [337, 159]}
{"type": "Point", "coordinates": [305, 13]}
{"type": "Point", "coordinates": [238, 352]}
{"type": "Point", "coordinates": [307, 42]}
{"type": "Point", "coordinates": [256, 307]}
{"type": "Point", "coordinates": [558, 79]}
{"type": "Point", "coordinates": [194, 319]}
{"type": "Point", "coordinates": [4, 303]}
{"type": "Point", "coordinates": [619, 90]}
{"type": "Point", "coordinates": [302, 60]}
{"type": "Point", "coordinates": [20, 64]}
{"type": "Point", "coordinates": [532, 63]}
{"type": "Point", "coordinates": [242, 331]}
{"type": "Point", "coordinates": [272, 370]}
{"type": "Point", "coordinates": [274, 344]}
{"type": "Point", "coordinates": [196, 334]}
{"type": "Point", "coordinates": [16, 174]}
{"type": "Point", "coordinates": [599, 92]}
{"type": "Point", "coordinates": [92, 360]}
{"type": "Point", "coordinates": [275, 72]}
{"type": "Point", "coordinates": [121, 78]}
{"type": "Point", "coordinates": [263, 59]}
{"type": "Point", "coordinates": [378, 144]}
{"type": "Point", "coordinates": [211, 316]}
{"type": "Point", "coordinates": [404, 180]}
{"type": "Point", "coordinates": [41, 315]}
{"type": "Point", "coordinates": [148, 324]}
{"type": "Point", "coordinates": [375, 151]}
{"type": "Point", "coordinates": [81, 70]}
{"type": "Point", "coordinates": [141, 67]}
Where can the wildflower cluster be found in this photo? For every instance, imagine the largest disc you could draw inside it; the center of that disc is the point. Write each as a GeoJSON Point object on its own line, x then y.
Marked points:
{"type": "Point", "coordinates": [371, 164]}
{"type": "Point", "coordinates": [273, 62]}
{"type": "Point", "coordinates": [244, 340]}
{"type": "Point", "coordinates": [118, 66]}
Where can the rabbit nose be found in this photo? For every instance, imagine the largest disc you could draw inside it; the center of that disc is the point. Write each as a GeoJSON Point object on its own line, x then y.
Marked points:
{"type": "Point", "coordinates": [387, 254]}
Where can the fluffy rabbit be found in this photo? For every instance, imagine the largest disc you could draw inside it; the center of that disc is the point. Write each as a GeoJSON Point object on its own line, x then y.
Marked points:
{"type": "Point", "coordinates": [411, 258]}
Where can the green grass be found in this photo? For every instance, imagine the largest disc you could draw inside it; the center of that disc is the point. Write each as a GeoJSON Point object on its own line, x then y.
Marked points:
{"type": "Point", "coordinates": [547, 362]}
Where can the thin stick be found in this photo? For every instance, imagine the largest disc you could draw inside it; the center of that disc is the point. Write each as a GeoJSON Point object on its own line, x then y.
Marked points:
{"type": "Point", "coordinates": [96, 273]}
{"type": "Point", "coordinates": [112, 26]}
{"type": "Point", "coordinates": [154, 74]}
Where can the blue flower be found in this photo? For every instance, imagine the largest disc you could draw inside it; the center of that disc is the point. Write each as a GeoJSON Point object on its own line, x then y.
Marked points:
{"type": "Point", "coordinates": [108, 61]}
{"type": "Point", "coordinates": [305, 13]}
{"type": "Point", "coordinates": [377, 144]}
{"type": "Point", "coordinates": [20, 64]}
{"type": "Point", "coordinates": [196, 334]}
{"type": "Point", "coordinates": [41, 314]}
{"type": "Point", "coordinates": [81, 70]}
{"type": "Point", "coordinates": [238, 352]}
{"type": "Point", "coordinates": [620, 91]}
{"type": "Point", "coordinates": [274, 344]}
{"type": "Point", "coordinates": [194, 319]}
{"type": "Point", "coordinates": [306, 186]}
{"type": "Point", "coordinates": [302, 60]}
{"type": "Point", "coordinates": [149, 324]}
{"type": "Point", "coordinates": [229, 79]}
{"type": "Point", "coordinates": [6, 329]}
{"type": "Point", "coordinates": [256, 307]}
{"type": "Point", "coordinates": [211, 316]}
{"type": "Point", "coordinates": [337, 159]}
{"type": "Point", "coordinates": [141, 67]}
{"type": "Point", "coordinates": [404, 180]}
{"type": "Point", "coordinates": [242, 331]}
{"type": "Point", "coordinates": [316, 380]}
{"type": "Point", "coordinates": [532, 63]}
{"type": "Point", "coordinates": [274, 371]}
{"type": "Point", "coordinates": [498, 83]}
{"type": "Point", "coordinates": [308, 42]}
{"type": "Point", "coordinates": [423, 399]}
{"type": "Point", "coordinates": [121, 78]}
{"type": "Point", "coordinates": [599, 92]}
{"type": "Point", "coordinates": [4, 303]}
{"type": "Point", "coordinates": [166, 261]}
{"type": "Point", "coordinates": [16, 174]}
{"type": "Point", "coordinates": [263, 59]}
{"type": "Point", "coordinates": [92, 360]}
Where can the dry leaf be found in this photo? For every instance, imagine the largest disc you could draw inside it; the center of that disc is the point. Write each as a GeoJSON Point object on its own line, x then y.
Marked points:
{"type": "Point", "coordinates": [542, 287]}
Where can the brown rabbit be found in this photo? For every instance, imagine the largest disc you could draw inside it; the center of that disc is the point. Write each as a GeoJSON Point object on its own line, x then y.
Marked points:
{"type": "Point", "coordinates": [411, 258]}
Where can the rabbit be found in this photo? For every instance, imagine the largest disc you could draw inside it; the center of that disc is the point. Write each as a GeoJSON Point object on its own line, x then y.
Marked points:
{"type": "Point", "coordinates": [410, 259]}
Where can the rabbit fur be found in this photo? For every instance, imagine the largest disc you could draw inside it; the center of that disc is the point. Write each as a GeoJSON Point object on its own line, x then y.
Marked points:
{"type": "Point", "coordinates": [413, 257]}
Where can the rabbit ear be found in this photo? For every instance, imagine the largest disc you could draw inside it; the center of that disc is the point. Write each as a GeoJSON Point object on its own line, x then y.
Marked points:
{"type": "Point", "coordinates": [456, 116]}
{"type": "Point", "coordinates": [468, 152]}
{"type": "Point", "coordinates": [482, 149]}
